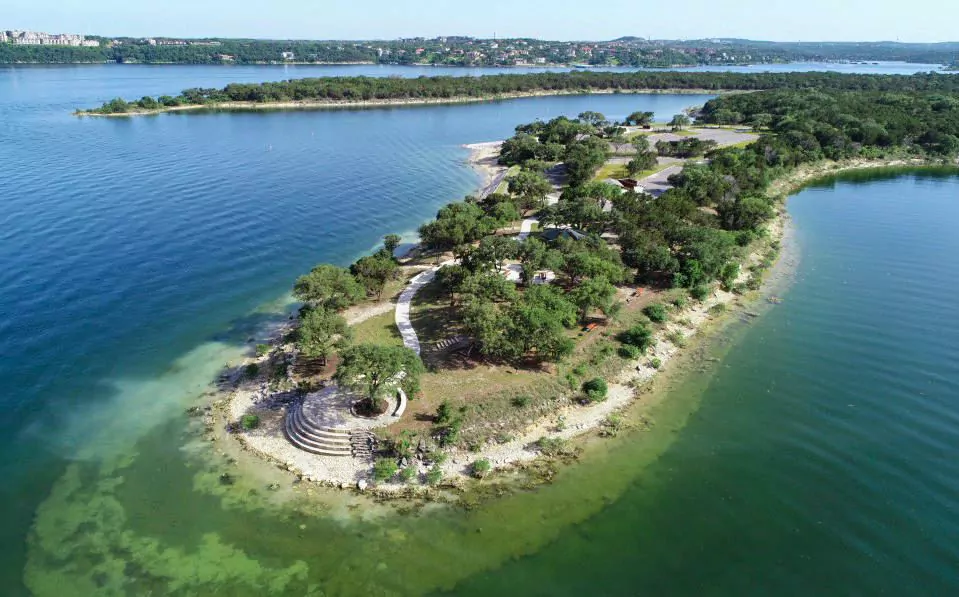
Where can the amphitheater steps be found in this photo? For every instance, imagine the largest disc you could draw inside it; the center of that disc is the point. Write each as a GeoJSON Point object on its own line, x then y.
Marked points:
{"type": "Point", "coordinates": [314, 439]}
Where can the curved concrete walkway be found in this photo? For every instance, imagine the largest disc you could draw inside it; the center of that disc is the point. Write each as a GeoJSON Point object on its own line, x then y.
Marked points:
{"type": "Point", "coordinates": [404, 304]}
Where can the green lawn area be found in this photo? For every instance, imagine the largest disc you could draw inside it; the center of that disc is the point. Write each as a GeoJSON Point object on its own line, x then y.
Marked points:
{"type": "Point", "coordinates": [378, 330]}
{"type": "Point", "coordinates": [619, 171]}
{"type": "Point", "coordinates": [504, 186]}
{"type": "Point", "coordinates": [611, 171]}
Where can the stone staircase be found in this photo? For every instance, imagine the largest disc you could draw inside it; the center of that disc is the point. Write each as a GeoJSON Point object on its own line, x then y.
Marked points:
{"type": "Point", "coordinates": [449, 342]}
{"type": "Point", "coordinates": [363, 443]}
{"type": "Point", "coordinates": [313, 438]}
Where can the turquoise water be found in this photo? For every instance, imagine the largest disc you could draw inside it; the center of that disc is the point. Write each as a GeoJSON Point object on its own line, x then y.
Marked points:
{"type": "Point", "coordinates": [138, 258]}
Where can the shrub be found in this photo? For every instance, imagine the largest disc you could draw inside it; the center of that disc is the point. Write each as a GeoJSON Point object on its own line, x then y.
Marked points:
{"type": "Point", "coordinates": [384, 469]}
{"type": "Point", "coordinates": [639, 336]}
{"type": "Point", "coordinates": [249, 422]}
{"type": "Point", "coordinates": [262, 349]}
{"type": "Point", "coordinates": [251, 370]}
{"type": "Point", "coordinates": [408, 474]}
{"type": "Point", "coordinates": [595, 389]}
{"type": "Point", "coordinates": [655, 363]}
{"type": "Point", "coordinates": [521, 401]}
{"type": "Point", "coordinates": [434, 475]}
{"type": "Point", "coordinates": [677, 339]}
{"type": "Point", "coordinates": [656, 313]}
{"type": "Point", "coordinates": [612, 425]}
{"type": "Point", "coordinates": [436, 457]}
{"type": "Point", "coordinates": [728, 275]}
{"type": "Point", "coordinates": [551, 446]}
{"type": "Point", "coordinates": [480, 468]}
{"type": "Point", "coordinates": [699, 292]}
{"type": "Point", "coordinates": [679, 302]}
{"type": "Point", "coordinates": [718, 309]}
{"type": "Point", "coordinates": [580, 370]}
{"type": "Point", "coordinates": [630, 352]}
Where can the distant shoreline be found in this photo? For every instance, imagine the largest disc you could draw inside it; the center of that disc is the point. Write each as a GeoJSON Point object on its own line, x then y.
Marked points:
{"type": "Point", "coordinates": [393, 103]}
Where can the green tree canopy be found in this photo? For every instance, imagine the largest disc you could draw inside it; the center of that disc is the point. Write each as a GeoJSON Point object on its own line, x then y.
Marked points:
{"type": "Point", "coordinates": [374, 370]}
{"type": "Point", "coordinates": [320, 330]}
{"type": "Point", "coordinates": [328, 286]}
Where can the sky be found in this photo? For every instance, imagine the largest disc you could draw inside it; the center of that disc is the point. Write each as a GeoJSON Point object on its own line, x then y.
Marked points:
{"type": "Point", "coordinates": [776, 20]}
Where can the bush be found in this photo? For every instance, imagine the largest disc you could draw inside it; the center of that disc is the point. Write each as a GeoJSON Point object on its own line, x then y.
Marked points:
{"type": "Point", "coordinates": [522, 401]}
{"type": "Point", "coordinates": [434, 475]}
{"type": "Point", "coordinates": [249, 422]}
{"type": "Point", "coordinates": [595, 389]}
{"type": "Point", "coordinates": [630, 352]}
{"type": "Point", "coordinates": [656, 313]}
{"type": "Point", "coordinates": [480, 468]}
{"type": "Point", "coordinates": [677, 339]}
{"type": "Point", "coordinates": [700, 292]}
{"type": "Point", "coordinates": [655, 363]}
{"type": "Point", "coordinates": [639, 336]}
{"type": "Point", "coordinates": [613, 424]}
{"type": "Point", "coordinates": [408, 474]}
{"type": "Point", "coordinates": [551, 446]}
{"type": "Point", "coordinates": [679, 302]}
{"type": "Point", "coordinates": [580, 370]}
{"type": "Point", "coordinates": [252, 370]}
{"type": "Point", "coordinates": [384, 469]}
{"type": "Point", "coordinates": [728, 275]}
{"type": "Point", "coordinates": [262, 349]}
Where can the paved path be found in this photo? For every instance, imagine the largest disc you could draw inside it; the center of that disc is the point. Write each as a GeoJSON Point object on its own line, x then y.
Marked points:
{"type": "Point", "coordinates": [525, 228]}
{"type": "Point", "coordinates": [404, 304]}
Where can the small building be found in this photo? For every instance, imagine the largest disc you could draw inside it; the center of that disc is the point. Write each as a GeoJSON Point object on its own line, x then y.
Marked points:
{"type": "Point", "coordinates": [288, 55]}
{"type": "Point", "coordinates": [551, 235]}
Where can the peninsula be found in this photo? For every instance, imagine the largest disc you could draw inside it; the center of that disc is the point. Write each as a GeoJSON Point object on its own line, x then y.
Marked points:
{"type": "Point", "coordinates": [533, 313]}
{"type": "Point", "coordinates": [332, 92]}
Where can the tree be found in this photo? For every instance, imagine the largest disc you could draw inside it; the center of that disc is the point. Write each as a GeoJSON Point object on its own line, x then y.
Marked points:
{"type": "Point", "coordinates": [643, 161]}
{"type": "Point", "coordinates": [595, 293]}
{"type": "Point", "coordinates": [535, 256]}
{"type": "Point", "coordinates": [531, 188]}
{"type": "Point", "coordinates": [493, 251]}
{"type": "Point", "coordinates": [640, 143]}
{"type": "Point", "coordinates": [679, 122]}
{"type": "Point", "coordinates": [451, 278]}
{"type": "Point", "coordinates": [391, 242]}
{"type": "Point", "coordinates": [456, 224]}
{"type": "Point", "coordinates": [374, 369]}
{"type": "Point", "coordinates": [328, 286]}
{"type": "Point", "coordinates": [373, 271]}
{"type": "Point", "coordinates": [593, 118]}
{"type": "Point", "coordinates": [320, 331]}
{"type": "Point", "coordinates": [639, 119]}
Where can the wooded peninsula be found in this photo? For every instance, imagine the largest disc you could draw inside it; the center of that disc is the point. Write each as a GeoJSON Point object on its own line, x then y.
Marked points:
{"type": "Point", "coordinates": [379, 90]}
{"type": "Point", "coordinates": [523, 334]}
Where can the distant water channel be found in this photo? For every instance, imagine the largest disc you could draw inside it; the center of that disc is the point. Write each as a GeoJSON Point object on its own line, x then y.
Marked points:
{"type": "Point", "coordinates": [140, 255]}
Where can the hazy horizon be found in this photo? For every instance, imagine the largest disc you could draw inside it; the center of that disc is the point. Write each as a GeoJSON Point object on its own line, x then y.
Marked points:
{"type": "Point", "coordinates": [816, 21]}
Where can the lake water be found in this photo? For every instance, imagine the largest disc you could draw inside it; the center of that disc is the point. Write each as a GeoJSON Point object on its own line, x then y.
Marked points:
{"type": "Point", "coordinates": [140, 255]}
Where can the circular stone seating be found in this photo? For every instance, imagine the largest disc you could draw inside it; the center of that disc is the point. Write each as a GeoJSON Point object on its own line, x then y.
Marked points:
{"type": "Point", "coordinates": [321, 423]}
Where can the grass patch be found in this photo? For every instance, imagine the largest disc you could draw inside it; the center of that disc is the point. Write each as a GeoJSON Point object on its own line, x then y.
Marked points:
{"type": "Point", "coordinates": [378, 330]}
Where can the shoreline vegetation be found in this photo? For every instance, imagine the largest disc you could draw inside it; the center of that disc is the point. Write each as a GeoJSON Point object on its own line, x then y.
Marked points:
{"type": "Point", "coordinates": [535, 364]}
{"type": "Point", "coordinates": [378, 91]}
